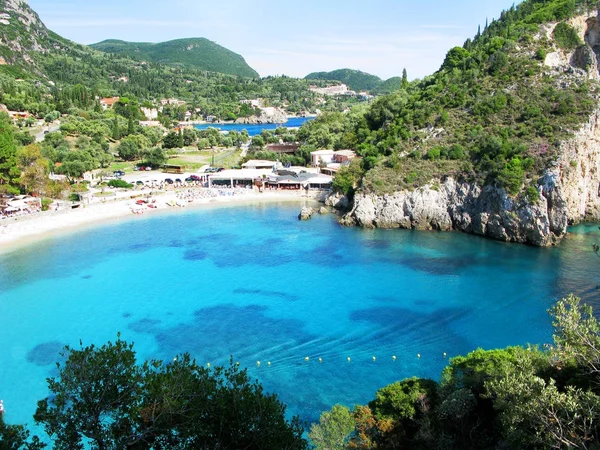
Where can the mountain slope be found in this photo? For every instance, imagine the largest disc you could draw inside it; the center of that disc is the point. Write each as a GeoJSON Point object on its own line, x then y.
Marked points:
{"type": "Point", "coordinates": [354, 79]}
{"type": "Point", "coordinates": [502, 141]}
{"type": "Point", "coordinates": [198, 53]}
{"type": "Point", "coordinates": [22, 34]}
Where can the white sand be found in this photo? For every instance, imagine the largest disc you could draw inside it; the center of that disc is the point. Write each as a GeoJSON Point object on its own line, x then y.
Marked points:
{"type": "Point", "coordinates": [27, 229]}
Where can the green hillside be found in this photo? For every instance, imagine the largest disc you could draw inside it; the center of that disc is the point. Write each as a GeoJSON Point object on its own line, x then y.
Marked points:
{"type": "Point", "coordinates": [494, 113]}
{"type": "Point", "coordinates": [388, 86]}
{"type": "Point", "coordinates": [198, 53]}
{"type": "Point", "coordinates": [354, 79]}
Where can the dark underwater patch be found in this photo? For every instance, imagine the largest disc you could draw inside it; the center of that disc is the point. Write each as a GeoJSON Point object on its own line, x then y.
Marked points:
{"type": "Point", "coordinates": [437, 266]}
{"type": "Point", "coordinates": [215, 333]}
{"type": "Point", "coordinates": [376, 243]}
{"type": "Point", "coordinates": [144, 325]}
{"type": "Point", "coordinates": [266, 293]}
{"type": "Point", "coordinates": [139, 247]}
{"type": "Point", "coordinates": [46, 354]}
{"type": "Point", "coordinates": [195, 255]}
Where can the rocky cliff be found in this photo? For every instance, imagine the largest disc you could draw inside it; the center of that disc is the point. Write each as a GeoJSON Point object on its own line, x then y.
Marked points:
{"type": "Point", "coordinates": [569, 193]}
{"type": "Point", "coordinates": [22, 33]}
{"type": "Point", "coordinates": [569, 189]}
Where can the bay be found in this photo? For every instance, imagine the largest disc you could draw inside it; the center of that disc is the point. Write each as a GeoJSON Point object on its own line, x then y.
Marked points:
{"type": "Point", "coordinates": [255, 283]}
{"type": "Point", "coordinates": [254, 129]}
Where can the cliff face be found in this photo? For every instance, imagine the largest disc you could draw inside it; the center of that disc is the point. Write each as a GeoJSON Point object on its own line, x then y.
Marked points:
{"type": "Point", "coordinates": [569, 193]}
{"type": "Point", "coordinates": [21, 32]}
{"type": "Point", "coordinates": [569, 189]}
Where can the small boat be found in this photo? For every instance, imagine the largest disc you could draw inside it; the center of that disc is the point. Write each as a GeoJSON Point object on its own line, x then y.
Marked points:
{"type": "Point", "coordinates": [1, 408]}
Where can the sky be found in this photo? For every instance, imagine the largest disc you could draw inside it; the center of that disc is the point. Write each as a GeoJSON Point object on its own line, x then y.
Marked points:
{"type": "Point", "coordinates": [288, 38]}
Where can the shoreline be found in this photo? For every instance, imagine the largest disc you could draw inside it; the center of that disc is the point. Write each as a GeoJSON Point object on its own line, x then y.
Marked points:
{"type": "Point", "coordinates": [27, 230]}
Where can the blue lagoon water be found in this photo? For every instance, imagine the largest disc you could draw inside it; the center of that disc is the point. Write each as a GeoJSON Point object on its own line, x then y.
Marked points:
{"type": "Point", "coordinates": [255, 129]}
{"type": "Point", "coordinates": [256, 283]}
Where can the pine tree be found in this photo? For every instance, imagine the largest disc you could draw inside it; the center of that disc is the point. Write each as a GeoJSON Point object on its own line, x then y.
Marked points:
{"type": "Point", "coordinates": [130, 126]}
{"type": "Point", "coordinates": [180, 141]}
{"type": "Point", "coordinates": [115, 131]}
{"type": "Point", "coordinates": [404, 83]}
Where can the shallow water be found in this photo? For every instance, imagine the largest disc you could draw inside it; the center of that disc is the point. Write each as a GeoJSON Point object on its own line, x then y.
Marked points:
{"type": "Point", "coordinates": [256, 283]}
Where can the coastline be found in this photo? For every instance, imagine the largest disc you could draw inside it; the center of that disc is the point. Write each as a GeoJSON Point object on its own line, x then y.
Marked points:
{"type": "Point", "coordinates": [26, 230]}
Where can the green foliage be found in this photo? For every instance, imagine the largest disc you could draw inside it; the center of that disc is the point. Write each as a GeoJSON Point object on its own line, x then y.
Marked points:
{"type": "Point", "coordinates": [9, 172]}
{"type": "Point", "coordinates": [512, 176]}
{"type": "Point", "coordinates": [128, 150]}
{"type": "Point", "coordinates": [355, 79]}
{"type": "Point", "coordinates": [171, 140]}
{"type": "Point", "coordinates": [154, 157]}
{"type": "Point", "coordinates": [333, 430]}
{"type": "Point", "coordinates": [456, 58]}
{"type": "Point", "coordinates": [566, 37]}
{"type": "Point", "coordinates": [103, 397]}
{"type": "Point", "coordinates": [120, 184]}
{"type": "Point", "coordinates": [532, 194]}
{"type": "Point", "coordinates": [347, 179]}
{"type": "Point", "coordinates": [198, 53]}
{"type": "Point", "coordinates": [16, 437]}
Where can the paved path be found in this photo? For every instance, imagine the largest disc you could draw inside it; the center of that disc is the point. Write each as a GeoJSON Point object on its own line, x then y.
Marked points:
{"type": "Point", "coordinates": [40, 136]}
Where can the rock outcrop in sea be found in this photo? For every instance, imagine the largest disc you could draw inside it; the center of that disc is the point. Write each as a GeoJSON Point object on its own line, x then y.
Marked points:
{"type": "Point", "coordinates": [306, 213]}
{"type": "Point", "coordinates": [267, 115]}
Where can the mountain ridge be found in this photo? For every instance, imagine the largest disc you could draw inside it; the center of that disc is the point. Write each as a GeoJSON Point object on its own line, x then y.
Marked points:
{"type": "Point", "coordinates": [198, 53]}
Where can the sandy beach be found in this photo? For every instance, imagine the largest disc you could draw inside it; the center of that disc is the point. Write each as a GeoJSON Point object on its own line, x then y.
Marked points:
{"type": "Point", "coordinates": [24, 230]}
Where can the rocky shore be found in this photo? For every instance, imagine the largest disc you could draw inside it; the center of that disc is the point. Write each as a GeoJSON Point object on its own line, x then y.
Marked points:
{"type": "Point", "coordinates": [569, 194]}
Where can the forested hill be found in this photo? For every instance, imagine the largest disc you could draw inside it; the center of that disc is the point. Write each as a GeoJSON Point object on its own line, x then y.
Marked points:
{"type": "Point", "coordinates": [197, 53]}
{"type": "Point", "coordinates": [495, 113]}
{"type": "Point", "coordinates": [354, 79]}
{"type": "Point", "coordinates": [493, 142]}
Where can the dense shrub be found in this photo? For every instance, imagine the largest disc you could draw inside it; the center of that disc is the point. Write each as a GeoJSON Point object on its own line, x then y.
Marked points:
{"type": "Point", "coordinates": [566, 37]}
{"type": "Point", "coordinates": [120, 184]}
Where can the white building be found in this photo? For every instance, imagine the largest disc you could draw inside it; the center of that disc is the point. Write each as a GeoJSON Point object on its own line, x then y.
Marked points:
{"type": "Point", "coordinates": [260, 164]}
{"type": "Point", "coordinates": [341, 89]}
{"type": "Point", "coordinates": [320, 156]}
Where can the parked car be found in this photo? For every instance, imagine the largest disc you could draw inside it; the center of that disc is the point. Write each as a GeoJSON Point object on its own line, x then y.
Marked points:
{"type": "Point", "coordinates": [148, 168]}
{"type": "Point", "coordinates": [168, 180]}
{"type": "Point", "coordinates": [177, 180]}
{"type": "Point", "coordinates": [118, 173]}
{"type": "Point", "coordinates": [138, 182]}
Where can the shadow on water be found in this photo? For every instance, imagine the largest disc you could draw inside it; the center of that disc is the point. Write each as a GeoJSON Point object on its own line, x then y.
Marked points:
{"type": "Point", "coordinates": [266, 293]}
{"type": "Point", "coordinates": [46, 354]}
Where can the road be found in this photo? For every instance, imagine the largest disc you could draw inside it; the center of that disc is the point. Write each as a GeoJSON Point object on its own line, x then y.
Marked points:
{"type": "Point", "coordinates": [39, 137]}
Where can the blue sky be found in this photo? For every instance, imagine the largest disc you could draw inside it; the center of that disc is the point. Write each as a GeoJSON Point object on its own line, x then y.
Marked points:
{"type": "Point", "coordinates": [282, 37]}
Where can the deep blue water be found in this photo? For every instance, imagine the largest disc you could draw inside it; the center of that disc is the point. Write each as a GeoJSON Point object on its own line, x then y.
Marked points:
{"type": "Point", "coordinates": [254, 130]}
{"type": "Point", "coordinates": [256, 283]}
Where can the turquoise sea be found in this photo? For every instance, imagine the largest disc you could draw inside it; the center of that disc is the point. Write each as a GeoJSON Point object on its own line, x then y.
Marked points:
{"type": "Point", "coordinates": [255, 129]}
{"type": "Point", "coordinates": [256, 283]}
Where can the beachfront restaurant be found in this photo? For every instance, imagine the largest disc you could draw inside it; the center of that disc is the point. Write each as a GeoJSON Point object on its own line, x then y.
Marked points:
{"type": "Point", "coordinates": [307, 181]}
{"type": "Point", "coordinates": [237, 177]}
